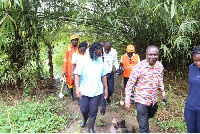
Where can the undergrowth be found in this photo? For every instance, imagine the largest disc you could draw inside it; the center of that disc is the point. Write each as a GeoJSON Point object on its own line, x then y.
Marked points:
{"type": "Point", "coordinates": [32, 116]}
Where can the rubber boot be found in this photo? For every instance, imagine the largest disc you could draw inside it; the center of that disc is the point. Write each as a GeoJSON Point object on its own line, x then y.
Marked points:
{"type": "Point", "coordinates": [91, 124]}
{"type": "Point", "coordinates": [71, 94]}
{"type": "Point", "coordinates": [85, 118]}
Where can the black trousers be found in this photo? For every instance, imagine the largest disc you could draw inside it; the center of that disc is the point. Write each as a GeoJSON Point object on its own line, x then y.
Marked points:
{"type": "Point", "coordinates": [145, 112]}
{"type": "Point", "coordinates": [110, 83]}
{"type": "Point", "coordinates": [89, 105]}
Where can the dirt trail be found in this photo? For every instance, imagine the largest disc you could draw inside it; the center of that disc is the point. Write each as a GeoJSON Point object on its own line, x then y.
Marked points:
{"type": "Point", "coordinates": [103, 122]}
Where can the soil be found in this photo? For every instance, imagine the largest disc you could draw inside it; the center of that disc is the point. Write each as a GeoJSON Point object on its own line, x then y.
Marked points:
{"type": "Point", "coordinates": [103, 122]}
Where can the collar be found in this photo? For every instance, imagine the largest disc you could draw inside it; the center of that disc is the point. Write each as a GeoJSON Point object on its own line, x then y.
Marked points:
{"type": "Point", "coordinates": [131, 56]}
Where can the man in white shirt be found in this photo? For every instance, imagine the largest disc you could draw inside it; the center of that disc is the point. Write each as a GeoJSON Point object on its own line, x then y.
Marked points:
{"type": "Point", "coordinates": [109, 57]}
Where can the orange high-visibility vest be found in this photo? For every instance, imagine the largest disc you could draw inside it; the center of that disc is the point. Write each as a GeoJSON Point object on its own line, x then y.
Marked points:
{"type": "Point", "coordinates": [67, 65]}
{"type": "Point", "coordinates": [128, 64]}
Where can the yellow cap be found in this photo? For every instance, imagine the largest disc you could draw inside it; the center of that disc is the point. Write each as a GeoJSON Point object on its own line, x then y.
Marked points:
{"type": "Point", "coordinates": [130, 48]}
{"type": "Point", "coordinates": [74, 36]}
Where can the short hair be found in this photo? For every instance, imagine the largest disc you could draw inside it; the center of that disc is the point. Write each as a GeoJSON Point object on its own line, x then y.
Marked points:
{"type": "Point", "coordinates": [95, 46]}
{"type": "Point", "coordinates": [152, 46]}
{"type": "Point", "coordinates": [83, 44]}
{"type": "Point", "coordinates": [107, 43]}
{"type": "Point", "coordinates": [196, 50]}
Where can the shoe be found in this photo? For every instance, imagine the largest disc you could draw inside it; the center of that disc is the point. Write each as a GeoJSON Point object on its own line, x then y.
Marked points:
{"type": "Point", "coordinates": [108, 101]}
{"type": "Point", "coordinates": [85, 118]}
{"type": "Point", "coordinates": [71, 94]}
{"type": "Point", "coordinates": [102, 111]}
{"type": "Point", "coordinates": [91, 124]}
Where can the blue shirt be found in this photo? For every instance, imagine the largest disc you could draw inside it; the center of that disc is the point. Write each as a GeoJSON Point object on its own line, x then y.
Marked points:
{"type": "Point", "coordinates": [90, 72]}
{"type": "Point", "coordinates": [193, 98]}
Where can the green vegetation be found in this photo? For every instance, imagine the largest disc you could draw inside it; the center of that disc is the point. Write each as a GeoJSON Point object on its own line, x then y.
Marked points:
{"type": "Point", "coordinates": [32, 116]}
{"type": "Point", "coordinates": [34, 35]}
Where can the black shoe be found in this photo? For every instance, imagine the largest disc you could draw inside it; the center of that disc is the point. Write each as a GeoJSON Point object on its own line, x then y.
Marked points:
{"type": "Point", "coordinates": [102, 111]}
{"type": "Point", "coordinates": [71, 94]}
{"type": "Point", "coordinates": [85, 118]}
{"type": "Point", "coordinates": [91, 124]}
{"type": "Point", "coordinates": [108, 101]}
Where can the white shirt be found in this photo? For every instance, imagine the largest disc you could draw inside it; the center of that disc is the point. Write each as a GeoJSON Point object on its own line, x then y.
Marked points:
{"type": "Point", "coordinates": [109, 59]}
{"type": "Point", "coordinates": [76, 57]}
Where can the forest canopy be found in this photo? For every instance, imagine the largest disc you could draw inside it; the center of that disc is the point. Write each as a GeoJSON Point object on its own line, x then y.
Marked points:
{"type": "Point", "coordinates": [34, 33]}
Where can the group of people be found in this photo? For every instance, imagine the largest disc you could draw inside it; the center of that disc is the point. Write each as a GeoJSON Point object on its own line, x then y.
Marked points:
{"type": "Point", "coordinates": [90, 71]}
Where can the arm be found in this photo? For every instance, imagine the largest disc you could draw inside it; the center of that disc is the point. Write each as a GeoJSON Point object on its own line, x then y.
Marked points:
{"type": "Point", "coordinates": [73, 67]}
{"type": "Point", "coordinates": [130, 87]}
{"type": "Point", "coordinates": [161, 87]}
{"type": "Point", "coordinates": [65, 62]}
{"type": "Point", "coordinates": [104, 80]}
{"type": "Point", "coordinates": [78, 92]}
{"type": "Point", "coordinates": [116, 63]}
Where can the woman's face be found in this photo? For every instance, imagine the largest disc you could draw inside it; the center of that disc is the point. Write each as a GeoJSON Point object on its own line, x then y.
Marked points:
{"type": "Point", "coordinates": [82, 50]}
{"type": "Point", "coordinates": [97, 53]}
{"type": "Point", "coordinates": [196, 60]}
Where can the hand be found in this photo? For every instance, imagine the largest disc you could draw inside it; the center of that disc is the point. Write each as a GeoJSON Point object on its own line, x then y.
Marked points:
{"type": "Point", "coordinates": [64, 74]}
{"type": "Point", "coordinates": [164, 98]}
{"type": "Point", "coordinates": [78, 93]}
{"type": "Point", "coordinates": [105, 93]}
{"type": "Point", "coordinates": [128, 106]}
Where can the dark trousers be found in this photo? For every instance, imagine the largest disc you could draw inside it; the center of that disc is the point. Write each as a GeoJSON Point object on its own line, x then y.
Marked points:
{"type": "Point", "coordinates": [192, 119]}
{"type": "Point", "coordinates": [145, 112]}
{"type": "Point", "coordinates": [125, 81]}
{"type": "Point", "coordinates": [89, 105]}
{"type": "Point", "coordinates": [110, 83]}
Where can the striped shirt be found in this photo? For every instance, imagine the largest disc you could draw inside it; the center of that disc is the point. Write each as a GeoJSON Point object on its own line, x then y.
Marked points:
{"type": "Point", "coordinates": [145, 81]}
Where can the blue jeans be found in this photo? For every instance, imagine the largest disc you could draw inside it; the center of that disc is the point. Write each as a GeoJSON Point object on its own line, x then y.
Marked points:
{"type": "Point", "coordinates": [192, 119]}
{"type": "Point", "coordinates": [145, 112]}
{"type": "Point", "coordinates": [89, 105]}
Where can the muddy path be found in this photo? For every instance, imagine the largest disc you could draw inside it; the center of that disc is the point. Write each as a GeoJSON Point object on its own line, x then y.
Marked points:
{"type": "Point", "coordinates": [103, 122]}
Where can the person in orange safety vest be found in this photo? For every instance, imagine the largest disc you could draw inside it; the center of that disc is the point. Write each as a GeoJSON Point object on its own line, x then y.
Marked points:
{"type": "Point", "coordinates": [67, 65]}
{"type": "Point", "coordinates": [128, 60]}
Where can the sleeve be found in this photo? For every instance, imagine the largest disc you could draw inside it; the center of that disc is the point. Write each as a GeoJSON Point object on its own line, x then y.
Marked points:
{"type": "Point", "coordinates": [138, 58]}
{"type": "Point", "coordinates": [74, 58]}
{"type": "Point", "coordinates": [121, 59]}
{"type": "Point", "coordinates": [131, 83]}
{"type": "Point", "coordinates": [79, 68]}
{"type": "Point", "coordinates": [161, 84]}
{"type": "Point", "coordinates": [116, 63]}
{"type": "Point", "coordinates": [103, 70]}
{"type": "Point", "coordinates": [65, 60]}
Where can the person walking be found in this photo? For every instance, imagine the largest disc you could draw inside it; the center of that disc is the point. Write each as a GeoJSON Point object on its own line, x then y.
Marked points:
{"type": "Point", "coordinates": [90, 72]}
{"type": "Point", "coordinates": [110, 58]}
{"type": "Point", "coordinates": [128, 61]}
{"type": "Point", "coordinates": [67, 65]}
{"type": "Point", "coordinates": [145, 80]}
{"type": "Point", "coordinates": [78, 55]}
{"type": "Point", "coordinates": [192, 105]}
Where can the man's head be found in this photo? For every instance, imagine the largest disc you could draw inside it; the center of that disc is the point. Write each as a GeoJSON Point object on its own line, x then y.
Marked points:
{"type": "Point", "coordinates": [130, 49]}
{"type": "Point", "coordinates": [152, 55]}
{"type": "Point", "coordinates": [102, 43]}
{"type": "Point", "coordinates": [107, 47]}
{"type": "Point", "coordinates": [74, 39]}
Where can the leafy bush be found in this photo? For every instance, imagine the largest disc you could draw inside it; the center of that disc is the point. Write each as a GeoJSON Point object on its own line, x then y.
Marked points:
{"type": "Point", "coordinates": [30, 116]}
